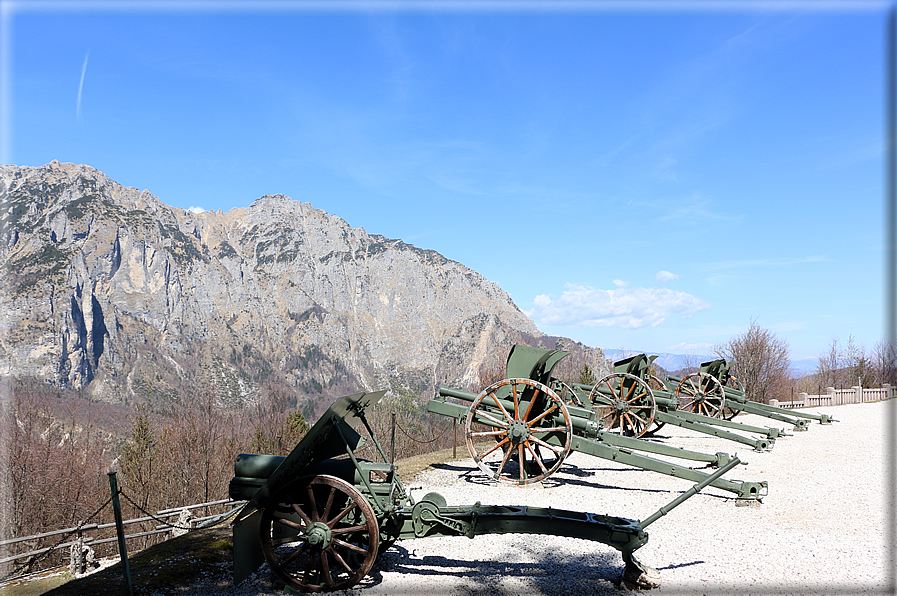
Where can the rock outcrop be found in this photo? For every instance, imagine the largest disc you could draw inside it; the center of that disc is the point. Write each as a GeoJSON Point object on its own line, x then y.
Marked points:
{"type": "Point", "coordinates": [106, 287]}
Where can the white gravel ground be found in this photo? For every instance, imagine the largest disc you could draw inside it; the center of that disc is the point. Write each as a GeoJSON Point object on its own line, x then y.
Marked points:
{"type": "Point", "coordinates": [823, 528]}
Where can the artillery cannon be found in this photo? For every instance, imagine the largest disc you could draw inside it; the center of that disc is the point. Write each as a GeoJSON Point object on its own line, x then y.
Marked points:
{"type": "Point", "coordinates": [720, 394]}
{"type": "Point", "coordinates": [519, 430]}
{"type": "Point", "coordinates": [321, 515]}
{"type": "Point", "coordinates": [633, 402]}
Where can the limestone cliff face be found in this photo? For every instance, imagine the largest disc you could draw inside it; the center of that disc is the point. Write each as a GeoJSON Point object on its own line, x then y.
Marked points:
{"type": "Point", "coordinates": [106, 287]}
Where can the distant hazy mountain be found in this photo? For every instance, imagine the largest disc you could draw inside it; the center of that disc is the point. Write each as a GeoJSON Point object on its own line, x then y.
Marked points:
{"type": "Point", "coordinates": [672, 362]}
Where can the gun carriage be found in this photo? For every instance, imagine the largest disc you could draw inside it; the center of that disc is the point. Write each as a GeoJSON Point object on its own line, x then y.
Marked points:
{"type": "Point", "coordinates": [632, 402]}
{"type": "Point", "coordinates": [520, 430]}
{"type": "Point", "coordinates": [321, 515]}
{"type": "Point", "coordinates": [714, 390]}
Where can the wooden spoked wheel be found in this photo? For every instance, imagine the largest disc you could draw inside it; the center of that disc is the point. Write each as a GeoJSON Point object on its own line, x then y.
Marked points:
{"type": "Point", "coordinates": [624, 403]}
{"type": "Point", "coordinates": [701, 393]}
{"type": "Point", "coordinates": [656, 385]}
{"type": "Point", "coordinates": [732, 383]}
{"type": "Point", "coordinates": [531, 427]}
{"type": "Point", "coordinates": [319, 534]}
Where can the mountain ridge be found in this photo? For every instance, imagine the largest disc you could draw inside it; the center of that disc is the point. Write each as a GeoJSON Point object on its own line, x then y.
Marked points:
{"type": "Point", "coordinates": [107, 287]}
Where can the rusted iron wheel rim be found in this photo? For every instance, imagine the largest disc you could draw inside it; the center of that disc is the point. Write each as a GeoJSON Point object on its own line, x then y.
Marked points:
{"type": "Point", "coordinates": [319, 534]}
{"type": "Point", "coordinates": [701, 393]}
{"type": "Point", "coordinates": [624, 403]}
{"type": "Point", "coordinates": [532, 438]}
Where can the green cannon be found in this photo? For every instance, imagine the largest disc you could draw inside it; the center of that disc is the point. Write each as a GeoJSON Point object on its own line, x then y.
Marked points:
{"type": "Point", "coordinates": [321, 515]}
{"type": "Point", "coordinates": [718, 393]}
{"type": "Point", "coordinates": [520, 430]}
{"type": "Point", "coordinates": [632, 402]}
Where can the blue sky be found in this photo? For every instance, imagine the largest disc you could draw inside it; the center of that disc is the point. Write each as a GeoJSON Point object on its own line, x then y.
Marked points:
{"type": "Point", "coordinates": [647, 178]}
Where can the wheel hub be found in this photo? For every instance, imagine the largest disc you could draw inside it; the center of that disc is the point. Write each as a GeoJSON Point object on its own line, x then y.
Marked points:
{"type": "Point", "coordinates": [318, 535]}
{"type": "Point", "coordinates": [518, 432]}
{"type": "Point", "coordinates": [621, 406]}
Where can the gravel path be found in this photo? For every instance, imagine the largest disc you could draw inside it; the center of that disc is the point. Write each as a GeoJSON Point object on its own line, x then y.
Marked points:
{"type": "Point", "coordinates": [821, 529]}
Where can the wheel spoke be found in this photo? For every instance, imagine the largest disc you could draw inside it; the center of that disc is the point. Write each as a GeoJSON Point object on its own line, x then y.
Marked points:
{"type": "Point", "coordinates": [554, 429]}
{"type": "Point", "coordinates": [516, 401]}
{"type": "Point", "coordinates": [492, 421]}
{"type": "Point", "coordinates": [288, 522]}
{"type": "Point", "coordinates": [539, 441]}
{"type": "Point", "coordinates": [341, 561]}
{"type": "Point", "coordinates": [599, 399]}
{"type": "Point", "coordinates": [325, 566]}
{"type": "Point", "coordinates": [338, 531]}
{"type": "Point", "coordinates": [501, 407]}
{"type": "Point", "coordinates": [637, 397]}
{"type": "Point", "coordinates": [353, 547]}
{"type": "Point", "coordinates": [489, 433]}
{"type": "Point", "coordinates": [529, 408]}
{"type": "Point", "coordinates": [287, 540]}
{"type": "Point", "coordinates": [309, 567]}
{"type": "Point", "coordinates": [342, 514]}
{"type": "Point", "coordinates": [536, 458]}
{"type": "Point", "coordinates": [298, 510]}
{"type": "Point", "coordinates": [522, 461]}
{"type": "Point", "coordinates": [504, 462]}
{"type": "Point", "coordinates": [314, 504]}
{"type": "Point", "coordinates": [542, 415]}
{"type": "Point", "coordinates": [505, 440]}
{"type": "Point", "coordinates": [329, 503]}
{"type": "Point", "coordinates": [294, 555]}
{"type": "Point", "coordinates": [635, 423]}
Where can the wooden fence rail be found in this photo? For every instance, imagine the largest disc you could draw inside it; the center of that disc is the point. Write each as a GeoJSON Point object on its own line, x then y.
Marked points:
{"type": "Point", "coordinates": [87, 540]}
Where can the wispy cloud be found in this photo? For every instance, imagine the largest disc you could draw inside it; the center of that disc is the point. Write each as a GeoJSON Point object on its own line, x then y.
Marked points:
{"type": "Point", "coordinates": [196, 210]}
{"type": "Point", "coordinates": [81, 85]}
{"type": "Point", "coordinates": [628, 308]}
{"type": "Point", "coordinates": [664, 169]}
{"type": "Point", "coordinates": [693, 208]}
{"type": "Point", "coordinates": [620, 283]}
{"type": "Point", "coordinates": [665, 276]}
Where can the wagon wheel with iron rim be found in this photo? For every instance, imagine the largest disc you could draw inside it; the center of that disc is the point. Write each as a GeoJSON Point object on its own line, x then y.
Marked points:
{"type": "Point", "coordinates": [319, 534]}
{"type": "Point", "coordinates": [624, 403]}
{"type": "Point", "coordinates": [732, 383]}
{"type": "Point", "coordinates": [701, 393]}
{"type": "Point", "coordinates": [656, 384]}
{"type": "Point", "coordinates": [532, 431]}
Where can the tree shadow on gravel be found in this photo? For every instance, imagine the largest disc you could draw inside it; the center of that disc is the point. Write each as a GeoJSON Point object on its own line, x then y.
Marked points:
{"type": "Point", "coordinates": [546, 573]}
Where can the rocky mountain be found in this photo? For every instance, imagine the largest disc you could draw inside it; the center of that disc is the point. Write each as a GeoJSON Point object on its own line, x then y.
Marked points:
{"type": "Point", "coordinates": [107, 288]}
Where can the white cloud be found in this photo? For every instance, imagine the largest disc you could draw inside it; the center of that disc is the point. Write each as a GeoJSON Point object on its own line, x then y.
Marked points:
{"type": "Point", "coordinates": [196, 210]}
{"type": "Point", "coordinates": [620, 283]}
{"type": "Point", "coordinates": [629, 308]}
{"type": "Point", "coordinates": [666, 276]}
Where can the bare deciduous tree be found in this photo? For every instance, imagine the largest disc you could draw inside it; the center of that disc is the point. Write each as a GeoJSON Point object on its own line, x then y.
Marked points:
{"type": "Point", "coordinates": [760, 361]}
{"type": "Point", "coordinates": [884, 362]}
